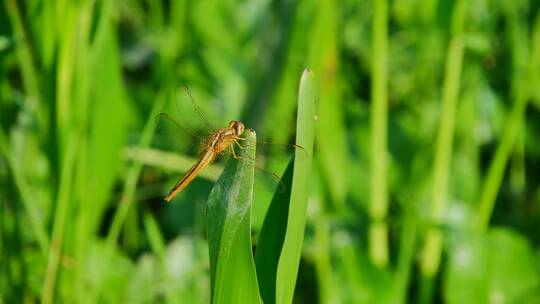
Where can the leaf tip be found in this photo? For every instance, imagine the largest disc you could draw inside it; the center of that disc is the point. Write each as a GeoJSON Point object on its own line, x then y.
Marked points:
{"type": "Point", "coordinates": [307, 73]}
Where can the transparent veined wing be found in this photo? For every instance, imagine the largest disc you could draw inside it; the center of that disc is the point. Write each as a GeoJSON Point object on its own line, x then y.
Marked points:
{"type": "Point", "coordinates": [182, 126]}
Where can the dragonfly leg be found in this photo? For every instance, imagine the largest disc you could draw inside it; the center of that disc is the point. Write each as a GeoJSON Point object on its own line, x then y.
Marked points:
{"type": "Point", "coordinates": [233, 153]}
{"type": "Point", "coordinates": [238, 157]}
{"type": "Point", "coordinates": [239, 145]}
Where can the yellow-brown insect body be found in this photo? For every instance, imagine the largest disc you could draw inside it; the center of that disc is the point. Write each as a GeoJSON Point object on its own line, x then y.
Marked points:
{"type": "Point", "coordinates": [219, 141]}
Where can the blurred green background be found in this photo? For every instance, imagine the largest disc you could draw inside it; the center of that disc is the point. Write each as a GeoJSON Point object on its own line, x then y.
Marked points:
{"type": "Point", "coordinates": [426, 184]}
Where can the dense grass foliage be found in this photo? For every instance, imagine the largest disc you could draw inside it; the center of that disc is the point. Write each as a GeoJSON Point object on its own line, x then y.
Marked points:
{"type": "Point", "coordinates": [422, 185]}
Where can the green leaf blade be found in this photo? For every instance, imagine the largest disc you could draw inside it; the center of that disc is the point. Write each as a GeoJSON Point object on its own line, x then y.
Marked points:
{"type": "Point", "coordinates": [289, 259]}
{"type": "Point", "coordinates": [232, 268]}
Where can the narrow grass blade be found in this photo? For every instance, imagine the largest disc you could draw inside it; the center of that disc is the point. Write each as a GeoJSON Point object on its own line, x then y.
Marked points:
{"type": "Point", "coordinates": [378, 209]}
{"type": "Point", "coordinates": [232, 267]}
{"type": "Point", "coordinates": [332, 152]}
{"type": "Point", "coordinates": [60, 217]}
{"type": "Point", "coordinates": [289, 259]}
{"type": "Point", "coordinates": [130, 184]}
{"type": "Point", "coordinates": [433, 245]}
{"type": "Point", "coordinates": [497, 167]}
{"type": "Point", "coordinates": [157, 243]}
{"type": "Point", "coordinates": [23, 51]}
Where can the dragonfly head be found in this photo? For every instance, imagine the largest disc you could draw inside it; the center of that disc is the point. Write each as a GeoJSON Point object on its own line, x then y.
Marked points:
{"type": "Point", "coordinates": [238, 126]}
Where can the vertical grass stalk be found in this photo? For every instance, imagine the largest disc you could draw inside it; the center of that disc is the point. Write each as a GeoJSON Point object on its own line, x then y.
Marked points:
{"type": "Point", "coordinates": [443, 156]}
{"type": "Point", "coordinates": [378, 230]}
{"type": "Point", "coordinates": [515, 123]}
{"type": "Point", "coordinates": [158, 246]}
{"type": "Point", "coordinates": [83, 78]}
{"type": "Point", "coordinates": [65, 75]}
{"type": "Point", "coordinates": [24, 56]}
{"type": "Point", "coordinates": [332, 152]}
{"type": "Point", "coordinates": [130, 184]}
{"type": "Point", "coordinates": [443, 151]}
{"type": "Point", "coordinates": [60, 216]}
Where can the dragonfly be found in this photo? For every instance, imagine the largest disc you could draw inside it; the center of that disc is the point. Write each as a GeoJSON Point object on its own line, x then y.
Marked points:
{"type": "Point", "coordinates": [215, 141]}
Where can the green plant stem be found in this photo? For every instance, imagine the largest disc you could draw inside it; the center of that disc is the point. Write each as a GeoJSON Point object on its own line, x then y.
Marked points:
{"type": "Point", "coordinates": [130, 184]}
{"type": "Point", "coordinates": [24, 56]}
{"type": "Point", "coordinates": [62, 206]}
{"type": "Point", "coordinates": [64, 76]}
{"type": "Point", "coordinates": [378, 231]}
{"type": "Point", "coordinates": [498, 164]}
{"type": "Point", "coordinates": [425, 295]}
{"type": "Point", "coordinates": [323, 261]}
{"type": "Point", "coordinates": [157, 243]}
{"type": "Point", "coordinates": [405, 259]}
{"type": "Point", "coordinates": [514, 124]}
{"type": "Point", "coordinates": [518, 39]}
{"type": "Point", "coordinates": [30, 82]}
{"type": "Point", "coordinates": [82, 93]}
{"type": "Point", "coordinates": [443, 149]}
{"type": "Point", "coordinates": [332, 150]}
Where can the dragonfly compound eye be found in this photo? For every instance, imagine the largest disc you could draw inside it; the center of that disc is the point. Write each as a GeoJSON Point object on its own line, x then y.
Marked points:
{"type": "Point", "coordinates": [239, 127]}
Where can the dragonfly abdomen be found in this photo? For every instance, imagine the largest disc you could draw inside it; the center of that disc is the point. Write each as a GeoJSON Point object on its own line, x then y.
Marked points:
{"type": "Point", "coordinates": [192, 173]}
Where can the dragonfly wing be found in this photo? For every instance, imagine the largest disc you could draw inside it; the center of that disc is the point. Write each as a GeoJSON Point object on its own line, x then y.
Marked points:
{"type": "Point", "coordinates": [269, 180]}
{"type": "Point", "coordinates": [173, 135]}
{"type": "Point", "coordinates": [193, 107]}
{"type": "Point", "coordinates": [267, 175]}
{"type": "Point", "coordinates": [271, 153]}
{"type": "Point", "coordinates": [182, 126]}
{"type": "Point", "coordinates": [270, 161]}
